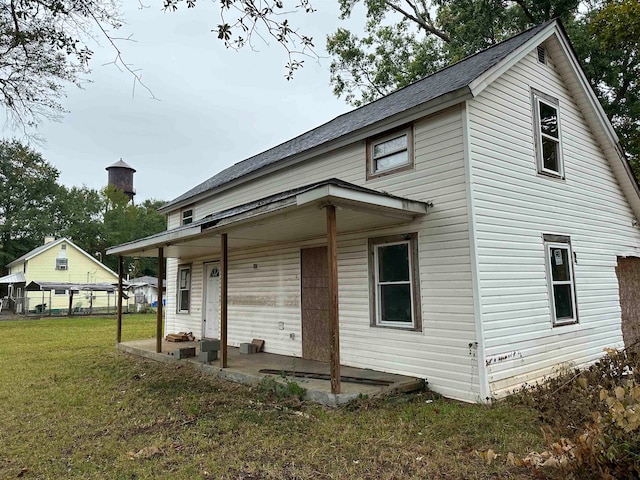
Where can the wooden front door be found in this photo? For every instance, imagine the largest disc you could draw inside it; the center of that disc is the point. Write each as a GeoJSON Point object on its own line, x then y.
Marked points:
{"type": "Point", "coordinates": [315, 304]}
{"type": "Point", "coordinates": [628, 273]}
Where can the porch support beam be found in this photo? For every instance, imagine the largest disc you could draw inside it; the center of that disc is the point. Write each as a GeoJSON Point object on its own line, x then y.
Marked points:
{"type": "Point", "coordinates": [159, 309]}
{"type": "Point", "coordinates": [224, 270]}
{"type": "Point", "coordinates": [334, 326]}
{"type": "Point", "coordinates": [119, 312]}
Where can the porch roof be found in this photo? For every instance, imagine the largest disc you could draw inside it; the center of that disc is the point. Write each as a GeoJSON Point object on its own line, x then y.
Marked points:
{"type": "Point", "coordinates": [37, 286]}
{"type": "Point", "coordinates": [291, 215]}
{"type": "Point", "coordinates": [12, 278]}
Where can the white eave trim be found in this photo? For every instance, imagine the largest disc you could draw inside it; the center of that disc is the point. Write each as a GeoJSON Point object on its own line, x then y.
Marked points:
{"type": "Point", "coordinates": [346, 196]}
{"type": "Point", "coordinates": [484, 80]}
{"type": "Point", "coordinates": [154, 241]}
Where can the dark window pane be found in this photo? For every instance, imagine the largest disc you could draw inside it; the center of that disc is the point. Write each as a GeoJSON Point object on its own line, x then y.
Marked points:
{"type": "Point", "coordinates": [395, 303]}
{"type": "Point", "coordinates": [184, 278]}
{"type": "Point", "coordinates": [563, 301]}
{"type": "Point", "coordinates": [560, 265]}
{"type": "Point", "coordinates": [548, 120]}
{"type": "Point", "coordinates": [393, 263]}
{"type": "Point", "coordinates": [550, 154]}
{"type": "Point", "coordinates": [184, 300]}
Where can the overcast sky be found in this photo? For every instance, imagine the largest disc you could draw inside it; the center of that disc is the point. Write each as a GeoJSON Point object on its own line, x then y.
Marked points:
{"type": "Point", "coordinates": [217, 106]}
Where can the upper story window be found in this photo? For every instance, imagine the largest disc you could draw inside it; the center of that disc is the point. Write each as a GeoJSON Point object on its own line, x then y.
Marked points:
{"type": "Point", "coordinates": [562, 289]}
{"type": "Point", "coordinates": [547, 134]}
{"type": "Point", "coordinates": [186, 216]}
{"type": "Point", "coordinates": [395, 298]}
{"type": "Point", "coordinates": [390, 153]}
{"type": "Point", "coordinates": [62, 263]}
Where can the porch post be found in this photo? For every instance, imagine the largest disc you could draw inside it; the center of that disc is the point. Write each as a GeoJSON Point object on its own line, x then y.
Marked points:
{"type": "Point", "coordinates": [119, 312]}
{"type": "Point", "coordinates": [224, 264]}
{"type": "Point", "coordinates": [159, 309]}
{"type": "Point", "coordinates": [334, 326]}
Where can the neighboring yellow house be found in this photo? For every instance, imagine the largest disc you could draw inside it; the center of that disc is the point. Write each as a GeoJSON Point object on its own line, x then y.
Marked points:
{"type": "Point", "coordinates": [61, 271]}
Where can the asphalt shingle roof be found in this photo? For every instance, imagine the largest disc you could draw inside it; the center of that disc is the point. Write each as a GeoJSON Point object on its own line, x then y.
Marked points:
{"type": "Point", "coordinates": [445, 81]}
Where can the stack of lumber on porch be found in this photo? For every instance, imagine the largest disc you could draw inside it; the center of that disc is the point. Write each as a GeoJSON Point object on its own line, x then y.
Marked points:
{"type": "Point", "coordinates": [180, 337]}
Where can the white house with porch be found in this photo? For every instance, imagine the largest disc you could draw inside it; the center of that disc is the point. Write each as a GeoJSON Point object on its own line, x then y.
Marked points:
{"type": "Point", "coordinates": [474, 229]}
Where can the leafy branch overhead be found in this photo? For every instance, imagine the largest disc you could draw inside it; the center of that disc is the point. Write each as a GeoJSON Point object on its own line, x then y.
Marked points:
{"type": "Point", "coordinates": [405, 40]}
{"type": "Point", "coordinates": [242, 20]}
{"type": "Point", "coordinates": [44, 46]}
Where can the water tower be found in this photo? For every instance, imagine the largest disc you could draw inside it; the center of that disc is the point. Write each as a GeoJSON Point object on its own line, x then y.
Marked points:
{"type": "Point", "coordinates": [121, 177]}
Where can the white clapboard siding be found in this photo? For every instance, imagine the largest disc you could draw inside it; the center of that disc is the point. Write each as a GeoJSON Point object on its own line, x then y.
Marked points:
{"type": "Point", "coordinates": [514, 207]}
{"type": "Point", "coordinates": [264, 299]}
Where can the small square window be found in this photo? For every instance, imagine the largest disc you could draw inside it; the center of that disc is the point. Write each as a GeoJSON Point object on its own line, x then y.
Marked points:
{"type": "Point", "coordinates": [187, 216]}
{"type": "Point", "coordinates": [395, 299]}
{"type": "Point", "coordinates": [62, 263]}
{"type": "Point", "coordinates": [390, 153]}
{"type": "Point", "coordinates": [562, 290]}
{"type": "Point", "coordinates": [184, 289]}
{"type": "Point", "coordinates": [548, 144]}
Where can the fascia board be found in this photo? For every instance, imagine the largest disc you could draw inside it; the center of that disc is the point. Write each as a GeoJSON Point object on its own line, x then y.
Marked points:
{"type": "Point", "coordinates": [154, 241]}
{"type": "Point", "coordinates": [484, 80]}
{"type": "Point", "coordinates": [337, 193]}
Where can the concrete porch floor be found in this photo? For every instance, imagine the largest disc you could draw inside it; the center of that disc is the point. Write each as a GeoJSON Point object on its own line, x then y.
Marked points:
{"type": "Point", "coordinates": [245, 369]}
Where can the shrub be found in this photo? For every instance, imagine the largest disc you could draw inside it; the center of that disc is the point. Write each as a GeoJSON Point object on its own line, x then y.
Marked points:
{"type": "Point", "coordinates": [592, 418]}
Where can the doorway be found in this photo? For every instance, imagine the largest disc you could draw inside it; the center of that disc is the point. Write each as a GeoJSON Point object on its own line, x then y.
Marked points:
{"type": "Point", "coordinates": [315, 304]}
{"type": "Point", "coordinates": [211, 318]}
{"type": "Point", "coordinates": [628, 273]}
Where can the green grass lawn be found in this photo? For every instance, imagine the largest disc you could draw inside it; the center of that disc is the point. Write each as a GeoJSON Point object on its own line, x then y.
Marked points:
{"type": "Point", "coordinates": [72, 407]}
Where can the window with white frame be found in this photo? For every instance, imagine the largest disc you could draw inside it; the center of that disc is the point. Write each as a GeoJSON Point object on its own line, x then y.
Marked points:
{"type": "Point", "coordinates": [394, 282]}
{"type": "Point", "coordinates": [62, 263]}
{"type": "Point", "coordinates": [60, 292]}
{"type": "Point", "coordinates": [390, 153]}
{"type": "Point", "coordinates": [184, 288]}
{"type": "Point", "coordinates": [547, 134]}
{"type": "Point", "coordinates": [562, 289]}
{"type": "Point", "coordinates": [187, 216]}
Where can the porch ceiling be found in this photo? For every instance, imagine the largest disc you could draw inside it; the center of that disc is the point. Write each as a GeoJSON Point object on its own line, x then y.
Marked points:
{"type": "Point", "coordinates": [289, 216]}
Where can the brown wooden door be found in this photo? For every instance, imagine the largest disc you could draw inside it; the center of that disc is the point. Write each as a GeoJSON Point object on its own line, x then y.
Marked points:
{"type": "Point", "coordinates": [628, 272]}
{"type": "Point", "coordinates": [315, 304]}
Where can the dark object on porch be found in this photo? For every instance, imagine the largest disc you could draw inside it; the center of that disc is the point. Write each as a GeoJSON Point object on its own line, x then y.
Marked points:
{"type": "Point", "coordinates": [248, 348]}
{"type": "Point", "coordinates": [326, 376]}
{"type": "Point", "coordinates": [209, 345]}
{"type": "Point", "coordinates": [259, 343]}
{"type": "Point", "coordinates": [41, 307]}
{"type": "Point", "coordinates": [208, 356]}
{"type": "Point", "coordinates": [209, 348]}
{"type": "Point", "coordinates": [185, 352]}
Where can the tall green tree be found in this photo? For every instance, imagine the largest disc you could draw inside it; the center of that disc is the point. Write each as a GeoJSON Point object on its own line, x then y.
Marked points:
{"type": "Point", "coordinates": [78, 215]}
{"type": "Point", "coordinates": [124, 222]}
{"type": "Point", "coordinates": [33, 205]}
{"type": "Point", "coordinates": [405, 40]}
{"type": "Point", "coordinates": [28, 185]}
